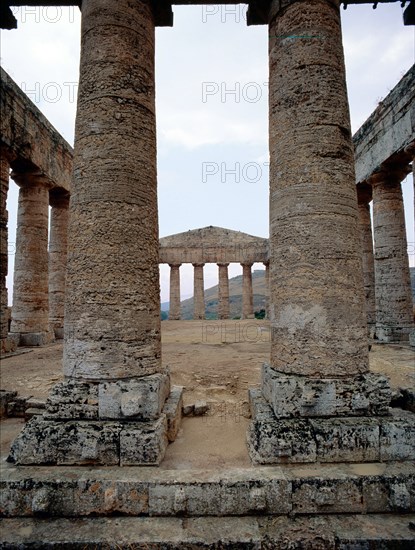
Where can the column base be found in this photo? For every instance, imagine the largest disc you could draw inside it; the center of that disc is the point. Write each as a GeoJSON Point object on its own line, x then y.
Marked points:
{"type": "Point", "coordinates": [394, 335]}
{"type": "Point", "coordinates": [104, 423]}
{"type": "Point", "coordinates": [32, 339]}
{"type": "Point", "coordinates": [291, 395]}
{"type": "Point", "coordinates": [273, 440]}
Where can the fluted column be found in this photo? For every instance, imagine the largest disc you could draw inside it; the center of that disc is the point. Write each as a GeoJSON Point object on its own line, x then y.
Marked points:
{"type": "Point", "coordinates": [394, 308]}
{"type": "Point", "coordinates": [223, 306]}
{"type": "Point", "coordinates": [58, 251]}
{"type": "Point", "coordinates": [112, 316]}
{"type": "Point", "coordinates": [364, 196]}
{"type": "Point", "coordinates": [174, 309]}
{"type": "Point", "coordinates": [115, 387]}
{"type": "Point", "coordinates": [267, 293]}
{"type": "Point", "coordinates": [317, 297]}
{"type": "Point", "coordinates": [247, 293]}
{"type": "Point", "coordinates": [199, 292]}
{"type": "Point", "coordinates": [6, 345]}
{"type": "Point", "coordinates": [30, 311]}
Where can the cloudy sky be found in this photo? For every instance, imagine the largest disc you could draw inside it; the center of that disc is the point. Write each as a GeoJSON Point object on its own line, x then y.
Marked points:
{"type": "Point", "coordinates": [212, 73]}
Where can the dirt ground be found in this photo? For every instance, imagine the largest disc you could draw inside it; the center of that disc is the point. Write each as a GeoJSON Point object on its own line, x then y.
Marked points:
{"type": "Point", "coordinates": [214, 360]}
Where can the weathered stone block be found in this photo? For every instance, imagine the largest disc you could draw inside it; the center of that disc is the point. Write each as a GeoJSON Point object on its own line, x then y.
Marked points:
{"type": "Point", "coordinates": [275, 441]}
{"type": "Point", "coordinates": [326, 496]}
{"type": "Point", "coordinates": [138, 399]}
{"type": "Point", "coordinates": [48, 442]}
{"type": "Point", "coordinates": [346, 439]}
{"type": "Point", "coordinates": [397, 436]}
{"type": "Point", "coordinates": [173, 411]}
{"type": "Point", "coordinates": [292, 396]}
{"type": "Point", "coordinates": [35, 339]}
{"type": "Point", "coordinates": [72, 399]}
{"type": "Point", "coordinates": [223, 497]}
{"type": "Point", "coordinates": [5, 398]}
{"type": "Point", "coordinates": [143, 443]}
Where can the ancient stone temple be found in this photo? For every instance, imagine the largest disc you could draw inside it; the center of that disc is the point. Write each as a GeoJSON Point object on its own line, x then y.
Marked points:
{"type": "Point", "coordinates": [318, 404]}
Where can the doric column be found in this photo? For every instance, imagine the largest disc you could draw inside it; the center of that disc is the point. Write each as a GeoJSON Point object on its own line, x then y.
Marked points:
{"type": "Point", "coordinates": [266, 282]}
{"type": "Point", "coordinates": [174, 310]}
{"type": "Point", "coordinates": [364, 196]}
{"type": "Point", "coordinates": [247, 293]}
{"type": "Point", "coordinates": [319, 370]}
{"type": "Point", "coordinates": [199, 292]}
{"type": "Point", "coordinates": [6, 344]}
{"type": "Point", "coordinates": [115, 387]}
{"type": "Point", "coordinates": [223, 305]}
{"type": "Point", "coordinates": [317, 297]}
{"type": "Point", "coordinates": [58, 249]}
{"type": "Point", "coordinates": [394, 310]}
{"type": "Point", "coordinates": [30, 310]}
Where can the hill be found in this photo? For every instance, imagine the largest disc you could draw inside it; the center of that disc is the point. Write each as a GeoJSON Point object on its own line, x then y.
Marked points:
{"type": "Point", "coordinates": [235, 297]}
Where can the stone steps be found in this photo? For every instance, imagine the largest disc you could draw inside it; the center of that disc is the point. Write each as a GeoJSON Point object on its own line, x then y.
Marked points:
{"type": "Point", "coordinates": [226, 533]}
{"type": "Point", "coordinates": [320, 489]}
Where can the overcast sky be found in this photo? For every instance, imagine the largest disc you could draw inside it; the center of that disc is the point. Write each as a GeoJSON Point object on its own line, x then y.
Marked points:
{"type": "Point", "coordinates": [212, 113]}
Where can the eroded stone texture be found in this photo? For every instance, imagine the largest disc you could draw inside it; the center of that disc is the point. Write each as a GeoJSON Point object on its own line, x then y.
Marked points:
{"type": "Point", "coordinates": [290, 396]}
{"type": "Point", "coordinates": [174, 309]}
{"type": "Point", "coordinates": [223, 308]}
{"type": "Point", "coordinates": [394, 307]}
{"type": "Point", "coordinates": [198, 292]}
{"type": "Point", "coordinates": [58, 248]}
{"type": "Point", "coordinates": [267, 290]}
{"type": "Point", "coordinates": [364, 196]}
{"type": "Point", "coordinates": [247, 293]}
{"type": "Point", "coordinates": [30, 313]}
{"type": "Point", "coordinates": [112, 318]}
{"type": "Point", "coordinates": [317, 300]}
{"type": "Point", "coordinates": [6, 344]}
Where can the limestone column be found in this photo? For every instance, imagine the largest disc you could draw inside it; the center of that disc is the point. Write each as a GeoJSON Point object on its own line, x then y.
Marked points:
{"type": "Point", "coordinates": [317, 297]}
{"type": "Point", "coordinates": [115, 387]}
{"type": "Point", "coordinates": [6, 344]}
{"type": "Point", "coordinates": [30, 310]}
{"type": "Point", "coordinates": [174, 310]}
{"type": "Point", "coordinates": [364, 196]}
{"type": "Point", "coordinates": [266, 290]}
{"type": "Point", "coordinates": [247, 293]}
{"type": "Point", "coordinates": [199, 292]}
{"type": "Point", "coordinates": [58, 248]}
{"type": "Point", "coordinates": [394, 308]}
{"type": "Point", "coordinates": [223, 305]}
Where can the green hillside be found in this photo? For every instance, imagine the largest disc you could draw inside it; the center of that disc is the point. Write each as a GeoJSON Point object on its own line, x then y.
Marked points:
{"type": "Point", "coordinates": [235, 297]}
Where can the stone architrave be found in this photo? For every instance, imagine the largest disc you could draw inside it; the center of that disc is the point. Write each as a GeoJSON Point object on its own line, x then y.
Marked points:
{"type": "Point", "coordinates": [199, 292]}
{"type": "Point", "coordinates": [223, 302]}
{"type": "Point", "coordinates": [6, 344]}
{"type": "Point", "coordinates": [247, 292]}
{"type": "Point", "coordinates": [30, 310]}
{"type": "Point", "coordinates": [317, 391]}
{"type": "Point", "coordinates": [110, 407]}
{"type": "Point", "coordinates": [364, 197]}
{"type": "Point", "coordinates": [174, 310]}
{"type": "Point", "coordinates": [394, 306]}
{"type": "Point", "coordinates": [58, 251]}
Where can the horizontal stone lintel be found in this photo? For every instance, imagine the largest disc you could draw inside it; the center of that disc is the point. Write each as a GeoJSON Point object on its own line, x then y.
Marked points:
{"type": "Point", "coordinates": [274, 440]}
{"type": "Point", "coordinates": [59, 492]}
{"type": "Point", "coordinates": [300, 396]}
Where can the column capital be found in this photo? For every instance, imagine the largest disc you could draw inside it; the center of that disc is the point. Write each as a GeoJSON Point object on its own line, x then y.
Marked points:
{"type": "Point", "coordinates": [247, 264]}
{"type": "Point", "coordinates": [364, 193]}
{"type": "Point", "coordinates": [59, 198]}
{"type": "Point", "coordinates": [31, 179]}
{"type": "Point", "coordinates": [278, 6]}
{"type": "Point", "coordinates": [222, 264]}
{"type": "Point", "coordinates": [175, 265]}
{"type": "Point", "coordinates": [392, 174]}
{"type": "Point", "coordinates": [198, 265]}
